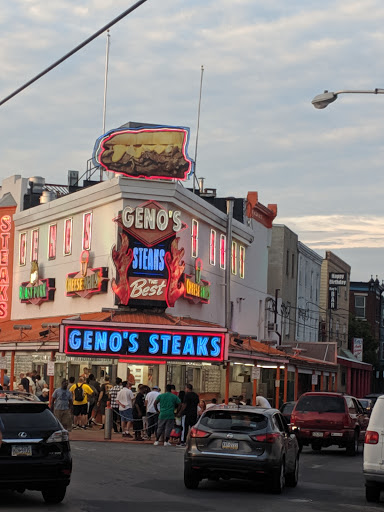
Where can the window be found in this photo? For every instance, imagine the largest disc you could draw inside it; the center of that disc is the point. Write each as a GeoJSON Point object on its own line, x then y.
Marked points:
{"type": "Point", "coordinates": [212, 248]}
{"type": "Point", "coordinates": [87, 231]}
{"type": "Point", "coordinates": [67, 237]}
{"type": "Point", "coordinates": [223, 250]}
{"type": "Point", "coordinates": [52, 237]}
{"type": "Point", "coordinates": [23, 249]}
{"type": "Point", "coordinates": [234, 258]}
{"type": "Point", "coordinates": [360, 306]}
{"type": "Point", "coordinates": [242, 261]}
{"type": "Point", "coordinates": [35, 245]}
{"type": "Point", "coordinates": [195, 238]}
{"type": "Point", "coordinates": [293, 265]}
{"type": "Point", "coordinates": [287, 264]}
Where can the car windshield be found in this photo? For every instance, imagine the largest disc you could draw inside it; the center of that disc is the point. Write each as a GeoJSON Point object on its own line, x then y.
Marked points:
{"type": "Point", "coordinates": [320, 404]}
{"type": "Point", "coordinates": [234, 420]}
{"type": "Point", "coordinates": [15, 416]}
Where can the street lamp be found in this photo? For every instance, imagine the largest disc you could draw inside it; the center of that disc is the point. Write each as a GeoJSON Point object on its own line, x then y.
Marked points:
{"type": "Point", "coordinates": [323, 100]}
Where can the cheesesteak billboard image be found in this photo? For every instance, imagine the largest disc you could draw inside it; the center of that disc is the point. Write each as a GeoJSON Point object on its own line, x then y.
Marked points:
{"type": "Point", "coordinates": [152, 153]}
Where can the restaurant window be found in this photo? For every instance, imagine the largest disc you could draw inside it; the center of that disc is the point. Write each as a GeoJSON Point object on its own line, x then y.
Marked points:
{"type": "Point", "coordinates": [195, 238]}
{"type": "Point", "coordinates": [360, 306]}
{"type": "Point", "coordinates": [242, 262]}
{"type": "Point", "coordinates": [234, 258]}
{"type": "Point", "coordinates": [223, 249]}
{"type": "Point", "coordinates": [35, 245]}
{"type": "Point", "coordinates": [87, 231]}
{"type": "Point", "coordinates": [52, 237]}
{"type": "Point", "coordinates": [23, 249]}
{"type": "Point", "coordinates": [212, 248]}
{"type": "Point", "coordinates": [67, 237]}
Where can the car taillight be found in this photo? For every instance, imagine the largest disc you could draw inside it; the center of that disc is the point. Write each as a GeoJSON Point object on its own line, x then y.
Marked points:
{"type": "Point", "coordinates": [195, 432]}
{"type": "Point", "coordinates": [347, 421]}
{"type": "Point", "coordinates": [371, 437]}
{"type": "Point", "coordinates": [60, 436]}
{"type": "Point", "coordinates": [266, 438]}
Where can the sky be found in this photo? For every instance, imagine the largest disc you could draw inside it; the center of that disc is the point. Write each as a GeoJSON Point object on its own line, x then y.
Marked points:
{"type": "Point", "coordinates": [264, 61]}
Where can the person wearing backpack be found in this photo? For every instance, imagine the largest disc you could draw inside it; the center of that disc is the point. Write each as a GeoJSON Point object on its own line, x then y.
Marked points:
{"type": "Point", "coordinates": [80, 391]}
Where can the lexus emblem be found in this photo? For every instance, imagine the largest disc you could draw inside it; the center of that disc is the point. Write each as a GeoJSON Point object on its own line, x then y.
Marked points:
{"type": "Point", "coordinates": [23, 435]}
{"type": "Point", "coordinates": [229, 436]}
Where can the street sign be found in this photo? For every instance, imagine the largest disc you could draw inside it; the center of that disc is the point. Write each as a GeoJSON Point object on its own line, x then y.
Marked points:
{"type": "Point", "coordinates": [51, 368]}
{"type": "Point", "coordinates": [314, 379]}
{"type": "Point", "coordinates": [256, 373]}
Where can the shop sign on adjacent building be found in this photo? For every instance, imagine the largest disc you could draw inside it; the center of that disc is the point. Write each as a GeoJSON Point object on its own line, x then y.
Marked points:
{"type": "Point", "coordinates": [156, 152]}
{"type": "Point", "coordinates": [197, 289]}
{"type": "Point", "coordinates": [37, 290]}
{"type": "Point", "coordinates": [157, 343]}
{"type": "Point", "coordinates": [337, 279]}
{"type": "Point", "coordinates": [149, 263]}
{"type": "Point", "coordinates": [332, 299]}
{"type": "Point", "coordinates": [357, 348]}
{"type": "Point", "coordinates": [87, 281]}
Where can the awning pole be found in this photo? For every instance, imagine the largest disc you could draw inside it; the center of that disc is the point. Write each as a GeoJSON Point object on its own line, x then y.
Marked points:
{"type": "Point", "coordinates": [313, 384]}
{"type": "Point", "coordinates": [12, 376]}
{"type": "Point", "coordinates": [2, 370]}
{"type": "Point", "coordinates": [277, 387]}
{"type": "Point", "coordinates": [296, 383]}
{"type": "Point", "coordinates": [51, 379]}
{"type": "Point", "coordinates": [285, 383]}
{"type": "Point", "coordinates": [322, 381]}
{"type": "Point", "coordinates": [254, 391]}
{"type": "Point", "coordinates": [227, 373]}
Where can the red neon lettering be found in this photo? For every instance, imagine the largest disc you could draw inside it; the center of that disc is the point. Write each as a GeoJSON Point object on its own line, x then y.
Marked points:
{"type": "Point", "coordinates": [3, 293]}
{"type": "Point", "coordinates": [3, 310]}
{"type": "Point", "coordinates": [4, 277]}
{"type": "Point", "coordinates": [35, 245]}
{"type": "Point", "coordinates": [5, 223]}
{"type": "Point", "coordinates": [87, 231]}
{"type": "Point", "coordinates": [52, 241]}
{"type": "Point", "coordinates": [4, 257]}
{"type": "Point", "coordinates": [68, 236]}
{"type": "Point", "coordinates": [4, 237]}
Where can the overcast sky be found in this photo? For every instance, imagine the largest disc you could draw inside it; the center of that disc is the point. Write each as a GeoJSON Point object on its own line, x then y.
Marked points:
{"type": "Point", "coordinates": [264, 62]}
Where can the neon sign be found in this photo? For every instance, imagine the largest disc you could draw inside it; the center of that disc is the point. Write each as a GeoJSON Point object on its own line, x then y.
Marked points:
{"type": "Point", "coordinates": [156, 344]}
{"type": "Point", "coordinates": [148, 261]}
{"type": "Point", "coordinates": [36, 290]}
{"type": "Point", "coordinates": [88, 281]}
{"type": "Point", "coordinates": [197, 290]}
{"type": "Point", "coordinates": [6, 262]}
{"type": "Point", "coordinates": [52, 238]}
{"type": "Point", "coordinates": [146, 152]}
{"type": "Point", "coordinates": [23, 249]}
{"type": "Point", "coordinates": [67, 237]}
{"type": "Point", "coordinates": [87, 231]}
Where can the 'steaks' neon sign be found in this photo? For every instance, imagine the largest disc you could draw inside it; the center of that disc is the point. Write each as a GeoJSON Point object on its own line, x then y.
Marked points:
{"type": "Point", "coordinates": [156, 344]}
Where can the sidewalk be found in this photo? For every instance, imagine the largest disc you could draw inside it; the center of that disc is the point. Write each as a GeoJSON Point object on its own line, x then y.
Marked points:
{"type": "Point", "coordinates": [96, 435]}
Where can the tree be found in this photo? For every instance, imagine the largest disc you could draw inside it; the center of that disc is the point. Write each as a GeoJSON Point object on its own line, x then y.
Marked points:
{"type": "Point", "coordinates": [361, 329]}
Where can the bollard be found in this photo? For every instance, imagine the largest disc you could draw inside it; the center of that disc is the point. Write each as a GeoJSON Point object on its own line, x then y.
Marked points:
{"type": "Point", "coordinates": [108, 421]}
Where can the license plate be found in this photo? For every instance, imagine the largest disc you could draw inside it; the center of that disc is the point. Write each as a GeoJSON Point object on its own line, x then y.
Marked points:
{"type": "Point", "coordinates": [317, 434]}
{"type": "Point", "coordinates": [23, 450]}
{"type": "Point", "coordinates": [337, 434]}
{"type": "Point", "coordinates": [230, 445]}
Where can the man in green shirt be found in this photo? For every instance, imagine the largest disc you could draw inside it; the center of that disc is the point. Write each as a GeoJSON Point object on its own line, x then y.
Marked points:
{"type": "Point", "coordinates": [168, 403]}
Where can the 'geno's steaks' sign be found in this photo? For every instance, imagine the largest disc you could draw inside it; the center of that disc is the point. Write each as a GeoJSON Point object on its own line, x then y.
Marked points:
{"type": "Point", "coordinates": [161, 343]}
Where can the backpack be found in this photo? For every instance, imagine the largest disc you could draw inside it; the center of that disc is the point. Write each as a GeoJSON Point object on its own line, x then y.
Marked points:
{"type": "Point", "coordinates": [79, 393]}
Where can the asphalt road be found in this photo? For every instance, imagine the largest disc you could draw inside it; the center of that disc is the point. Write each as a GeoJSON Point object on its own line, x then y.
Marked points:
{"type": "Point", "coordinates": [120, 478]}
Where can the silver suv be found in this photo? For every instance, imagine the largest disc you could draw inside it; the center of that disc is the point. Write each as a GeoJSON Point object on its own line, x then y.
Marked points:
{"type": "Point", "coordinates": [242, 442]}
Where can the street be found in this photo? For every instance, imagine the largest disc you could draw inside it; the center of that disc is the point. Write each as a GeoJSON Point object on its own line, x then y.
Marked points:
{"type": "Point", "coordinates": [120, 477]}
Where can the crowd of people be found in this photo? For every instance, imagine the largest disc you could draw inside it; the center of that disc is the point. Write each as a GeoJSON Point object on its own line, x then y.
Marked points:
{"type": "Point", "coordinates": [146, 414]}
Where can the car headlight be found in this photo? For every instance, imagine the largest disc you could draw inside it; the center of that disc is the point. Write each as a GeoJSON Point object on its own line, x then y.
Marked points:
{"type": "Point", "coordinates": [58, 437]}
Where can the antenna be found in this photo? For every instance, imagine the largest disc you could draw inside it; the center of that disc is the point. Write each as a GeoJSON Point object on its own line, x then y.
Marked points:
{"type": "Point", "coordinates": [198, 126]}
{"type": "Point", "coordinates": [105, 90]}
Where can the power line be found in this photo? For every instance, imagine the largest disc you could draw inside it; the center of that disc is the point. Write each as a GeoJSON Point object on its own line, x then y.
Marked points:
{"type": "Point", "coordinates": [75, 50]}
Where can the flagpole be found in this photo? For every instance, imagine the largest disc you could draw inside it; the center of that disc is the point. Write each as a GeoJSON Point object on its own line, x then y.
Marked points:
{"type": "Point", "coordinates": [198, 126]}
{"type": "Point", "coordinates": [105, 90]}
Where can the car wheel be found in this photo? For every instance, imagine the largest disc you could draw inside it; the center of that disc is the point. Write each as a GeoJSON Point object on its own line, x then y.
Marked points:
{"type": "Point", "coordinates": [191, 478]}
{"type": "Point", "coordinates": [292, 479]}
{"type": "Point", "coordinates": [54, 494]}
{"type": "Point", "coordinates": [316, 447]}
{"type": "Point", "coordinates": [372, 494]}
{"type": "Point", "coordinates": [353, 446]}
{"type": "Point", "coordinates": [278, 480]}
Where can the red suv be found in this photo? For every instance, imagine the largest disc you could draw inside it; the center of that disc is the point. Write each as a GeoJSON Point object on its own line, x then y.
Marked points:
{"type": "Point", "coordinates": [325, 419]}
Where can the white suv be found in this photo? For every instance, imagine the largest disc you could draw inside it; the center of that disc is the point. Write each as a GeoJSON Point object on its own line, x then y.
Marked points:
{"type": "Point", "coordinates": [373, 467]}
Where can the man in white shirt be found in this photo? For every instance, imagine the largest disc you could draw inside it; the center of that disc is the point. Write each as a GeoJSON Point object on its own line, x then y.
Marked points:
{"type": "Point", "coordinates": [152, 414]}
{"type": "Point", "coordinates": [262, 402]}
{"type": "Point", "coordinates": [125, 399]}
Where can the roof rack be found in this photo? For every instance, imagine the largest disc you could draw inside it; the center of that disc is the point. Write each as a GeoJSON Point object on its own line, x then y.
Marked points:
{"type": "Point", "coordinates": [20, 395]}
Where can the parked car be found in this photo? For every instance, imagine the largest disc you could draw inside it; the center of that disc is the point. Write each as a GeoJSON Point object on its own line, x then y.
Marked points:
{"type": "Point", "coordinates": [286, 410]}
{"type": "Point", "coordinates": [373, 397]}
{"type": "Point", "coordinates": [374, 453]}
{"type": "Point", "coordinates": [35, 452]}
{"type": "Point", "coordinates": [366, 404]}
{"type": "Point", "coordinates": [244, 442]}
{"type": "Point", "coordinates": [324, 419]}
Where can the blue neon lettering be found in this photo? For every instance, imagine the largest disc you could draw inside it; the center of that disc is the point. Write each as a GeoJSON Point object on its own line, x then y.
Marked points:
{"type": "Point", "coordinates": [134, 261]}
{"type": "Point", "coordinates": [133, 341]}
{"type": "Point", "coordinates": [87, 343]}
{"type": "Point", "coordinates": [140, 257]}
{"type": "Point", "coordinates": [74, 340]}
{"type": "Point", "coordinates": [202, 346]}
{"type": "Point", "coordinates": [189, 347]}
{"type": "Point", "coordinates": [154, 348]}
{"type": "Point", "coordinates": [176, 345]}
{"type": "Point", "coordinates": [101, 341]}
{"type": "Point", "coordinates": [161, 261]}
{"type": "Point", "coordinates": [215, 342]}
{"type": "Point", "coordinates": [115, 342]}
{"type": "Point", "coordinates": [150, 259]}
{"type": "Point", "coordinates": [145, 258]}
{"type": "Point", "coordinates": [165, 338]}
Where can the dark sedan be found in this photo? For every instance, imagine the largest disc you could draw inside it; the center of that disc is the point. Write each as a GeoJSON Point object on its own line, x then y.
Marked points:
{"type": "Point", "coordinates": [246, 442]}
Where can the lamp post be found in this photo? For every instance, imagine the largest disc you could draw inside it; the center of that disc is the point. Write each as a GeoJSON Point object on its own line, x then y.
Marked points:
{"type": "Point", "coordinates": [323, 100]}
